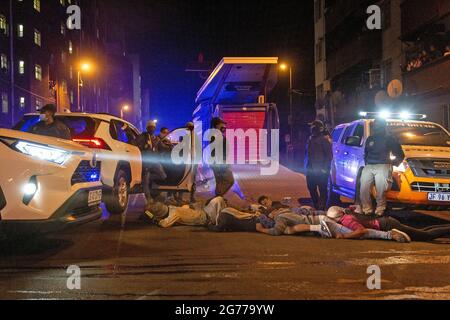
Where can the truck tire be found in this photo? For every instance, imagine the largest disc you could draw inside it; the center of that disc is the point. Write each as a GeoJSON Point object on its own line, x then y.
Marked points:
{"type": "Point", "coordinates": [116, 200]}
{"type": "Point", "coordinates": [333, 199]}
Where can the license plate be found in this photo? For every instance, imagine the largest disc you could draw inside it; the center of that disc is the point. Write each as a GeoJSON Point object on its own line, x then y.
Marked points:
{"type": "Point", "coordinates": [440, 197]}
{"type": "Point", "coordinates": [95, 197]}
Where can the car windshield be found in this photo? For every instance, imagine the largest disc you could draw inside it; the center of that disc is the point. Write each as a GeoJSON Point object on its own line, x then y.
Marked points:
{"type": "Point", "coordinates": [419, 134]}
{"type": "Point", "coordinates": [80, 127]}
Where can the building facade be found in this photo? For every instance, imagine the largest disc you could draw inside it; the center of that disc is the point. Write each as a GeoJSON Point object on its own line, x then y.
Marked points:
{"type": "Point", "coordinates": [43, 61]}
{"type": "Point", "coordinates": [355, 65]}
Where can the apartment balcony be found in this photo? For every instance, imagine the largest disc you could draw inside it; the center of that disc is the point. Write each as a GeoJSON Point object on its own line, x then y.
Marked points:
{"type": "Point", "coordinates": [430, 80]}
{"type": "Point", "coordinates": [418, 14]}
{"type": "Point", "coordinates": [365, 48]}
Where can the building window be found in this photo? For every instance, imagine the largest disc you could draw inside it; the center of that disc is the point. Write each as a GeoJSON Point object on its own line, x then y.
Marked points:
{"type": "Point", "coordinates": [5, 107]}
{"type": "Point", "coordinates": [20, 30]}
{"type": "Point", "coordinates": [21, 67]}
{"type": "Point", "coordinates": [38, 104]}
{"type": "Point", "coordinates": [70, 47]}
{"type": "Point", "coordinates": [386, 15]}
{"type": "Point", "coordinates": [37, 5]}
{"type": "Point", "coordinates": [37, 37]}
{"type": "Point", "coordinates": [38, 72]}
{"type": "Point", "coordinates": [3, 62]}
{"type": "Point", "coordinates": [63, 28]}
{"type": "Point", "coordinates": [22, 102]}
{"type": "Point", "coordinates": [319, 51]}
{"type": "Point", "coordinates": [3, 25]}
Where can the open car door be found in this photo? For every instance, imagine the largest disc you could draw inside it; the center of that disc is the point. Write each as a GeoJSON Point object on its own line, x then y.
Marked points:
{"type": "Point", "coordinates": [180, 177]}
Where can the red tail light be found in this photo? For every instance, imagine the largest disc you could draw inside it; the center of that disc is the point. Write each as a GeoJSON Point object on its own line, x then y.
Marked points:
{"type": "Point", "coordinates": [94, 143]}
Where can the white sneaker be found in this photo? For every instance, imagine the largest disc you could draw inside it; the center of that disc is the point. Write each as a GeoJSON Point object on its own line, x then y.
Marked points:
{"type": "Point", "coordinates": [325, 231]}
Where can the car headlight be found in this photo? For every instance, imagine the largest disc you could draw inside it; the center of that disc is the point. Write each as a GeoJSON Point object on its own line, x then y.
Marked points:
{"type": "Point", "coordinates": [402, 167]}
{"type": "Point", "coordinates": [42, 152]}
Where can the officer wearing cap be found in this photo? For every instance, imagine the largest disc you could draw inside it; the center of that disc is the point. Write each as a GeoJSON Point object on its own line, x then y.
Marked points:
{"type": "Point", "coordinates": [382, 151]}
{"type": "Point", "coordinates": [222, 172]}
{"type": "Point", "coordinates": [49, 126]}
{"type": "Point", "coordinates": [317, 164]}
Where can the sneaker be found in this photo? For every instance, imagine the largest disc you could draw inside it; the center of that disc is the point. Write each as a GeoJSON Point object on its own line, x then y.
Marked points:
{"type": "Point", "coordinates": [400, 236]}
{"type": "Point", "coordinates": [325, 230]}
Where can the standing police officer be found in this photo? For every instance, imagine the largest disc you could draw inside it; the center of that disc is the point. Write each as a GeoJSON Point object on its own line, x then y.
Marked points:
{"type": "Point", "coordinates": [382, 151]}
{"type": "Point", "coordinates": [317, 163]}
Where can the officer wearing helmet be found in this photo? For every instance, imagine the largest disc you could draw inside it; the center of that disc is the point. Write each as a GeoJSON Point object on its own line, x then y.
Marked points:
{"type": "Point", "coordinates": [317, 164]}
{"type": "Point", "coordinates": [49, 126]}
{"type": "Point", "coordinates": [382, 152]}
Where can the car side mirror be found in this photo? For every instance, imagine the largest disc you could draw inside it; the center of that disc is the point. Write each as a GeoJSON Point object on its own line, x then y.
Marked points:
{"type": "Point", "coordinates": [353, 141]}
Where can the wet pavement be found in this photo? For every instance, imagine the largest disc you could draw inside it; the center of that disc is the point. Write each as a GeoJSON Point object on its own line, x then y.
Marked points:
{"type": "Point", "coordinates": [124, 258]}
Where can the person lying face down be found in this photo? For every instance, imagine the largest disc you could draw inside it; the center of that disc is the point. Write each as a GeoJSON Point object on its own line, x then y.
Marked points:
{"type": "Point", "coordinates": [306, 219]}
{"type": "Point", "coordinates": [359, 226]}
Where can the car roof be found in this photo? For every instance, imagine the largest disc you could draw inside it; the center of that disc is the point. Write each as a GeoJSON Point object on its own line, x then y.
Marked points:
{"type": "Point", "coordinates": [101, 116]}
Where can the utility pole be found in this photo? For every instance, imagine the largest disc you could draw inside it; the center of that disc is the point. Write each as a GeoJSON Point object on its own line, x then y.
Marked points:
{"type": "Point", "coordinates": [12, 64]}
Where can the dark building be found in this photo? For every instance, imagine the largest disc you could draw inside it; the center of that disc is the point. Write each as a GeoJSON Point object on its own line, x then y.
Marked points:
{"type": "Point", "coordinates": [48, 58]}
{"type": "Point", "coordinates": [355, 65]}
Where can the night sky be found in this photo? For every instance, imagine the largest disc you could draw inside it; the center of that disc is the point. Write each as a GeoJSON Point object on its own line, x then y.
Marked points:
{"type": "Point", "coordinates": [169, 34]}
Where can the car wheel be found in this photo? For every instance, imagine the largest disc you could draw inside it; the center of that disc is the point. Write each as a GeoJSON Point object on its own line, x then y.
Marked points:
{"type": "Point", "coordinates": [116, 201]}
{"type": "Point", "coordinates": [334, 199]}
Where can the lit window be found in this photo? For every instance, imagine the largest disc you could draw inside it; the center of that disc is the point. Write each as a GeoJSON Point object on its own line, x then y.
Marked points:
{"type": "Point", "coordinates": [20, 30]}
{"type": "Point", "coordinates": [22, 102]}
{"type": "Point", "coordinates": [37, 37]}
{"type": "Point", "coordinates": [71, 97]}
{"type": "Point", "coordinates": [63, 57]}
{"type": "Point", "coordinates": [3, 25]}
{"type": "Point", "coordinates": [70, 47]}
{"type": "Point", "coordinates": [5, 102]}
{"type": "Point", "coordinates": [38, 72]}
{"type": "Point", "coordinates": [38, 104]}
{"type": "Point", "coordinates": [63, 28]}
{"type": "Point", "coordinates": [37, 5]}
{"type": "Point", "coordinates": [21, 67]}
{"type": "Point", "coordinates": [3, 61]}
{"type": "Point", "coordinates": [71, 72]}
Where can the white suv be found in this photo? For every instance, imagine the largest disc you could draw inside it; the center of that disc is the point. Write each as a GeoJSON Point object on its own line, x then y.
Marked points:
{"type": "Point", "coordinates": [46, 184]}
{"type": "Point", "coordinates": [115, 142]}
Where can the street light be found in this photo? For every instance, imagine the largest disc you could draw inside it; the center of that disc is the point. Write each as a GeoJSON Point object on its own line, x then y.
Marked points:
{"type": "Point", "coordinates": [284, 67]}
{"type": "Point", "coordinates": [84, 67]}
{"type": "Point", "coordinates": [124, 108]}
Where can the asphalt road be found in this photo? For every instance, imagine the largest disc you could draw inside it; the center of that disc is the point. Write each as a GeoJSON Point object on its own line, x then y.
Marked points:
{"type": "Point", "coordinates": [125, 258]}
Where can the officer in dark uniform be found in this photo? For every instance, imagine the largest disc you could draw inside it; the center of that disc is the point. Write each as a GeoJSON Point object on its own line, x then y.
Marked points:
{"type": "Point", "coordinates": [49, 126]}
{"type": "Point", "coordinates": [222, 171]}
{"type": "Point", "coordinates": [317, 164]}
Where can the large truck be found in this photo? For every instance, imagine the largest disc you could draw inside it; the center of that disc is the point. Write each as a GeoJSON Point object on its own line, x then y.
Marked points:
{"type": "Point", "coordinates": [237, 91]}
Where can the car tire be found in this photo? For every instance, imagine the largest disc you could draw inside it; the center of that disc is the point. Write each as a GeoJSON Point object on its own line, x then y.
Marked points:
{"type": "Point", "coordinates": [116, 200]}
{"type": "Point", "coordinates": [333, 199]}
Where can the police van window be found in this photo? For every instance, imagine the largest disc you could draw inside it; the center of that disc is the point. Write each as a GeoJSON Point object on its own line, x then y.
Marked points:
{"type": "Point", "coordinates": [359, 131]}
{"type": "Point", "coordinates": [347, 133]}
{"type": "Point", "coordinates": [337, 134]}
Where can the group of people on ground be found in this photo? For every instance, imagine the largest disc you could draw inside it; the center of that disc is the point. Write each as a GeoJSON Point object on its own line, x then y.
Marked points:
{"type": "Point", "coordinates": [276, 219]}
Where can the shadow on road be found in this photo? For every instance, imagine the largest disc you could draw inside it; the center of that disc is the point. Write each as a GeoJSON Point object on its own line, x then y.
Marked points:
{"type": "Point", "coordinates": [41, 246]}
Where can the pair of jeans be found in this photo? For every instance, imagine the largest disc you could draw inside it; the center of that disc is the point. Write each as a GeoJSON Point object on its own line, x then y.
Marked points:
{"type": "Point", "coordinates": [336, 228]}
{"type": "Point", "coordinates": [379, 175]}
{"type": "Point", "coordinates": [291, 219]}
{"type": "Point", "coordinates": [427, 234]}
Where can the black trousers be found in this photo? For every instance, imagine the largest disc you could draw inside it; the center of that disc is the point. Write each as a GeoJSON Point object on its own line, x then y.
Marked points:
{"type": "Point", "coordinates": [318, 188]}
{"type": "Point", "coordinates": [229, 223]}
{"type": "Point", "coordinates": [427, 234]}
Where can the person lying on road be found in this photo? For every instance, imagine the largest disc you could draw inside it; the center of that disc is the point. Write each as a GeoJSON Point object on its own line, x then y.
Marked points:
{"type": "Point", "coordinates": [359, 225]}
{"type": "Point", "coordinates": [290, 223]}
